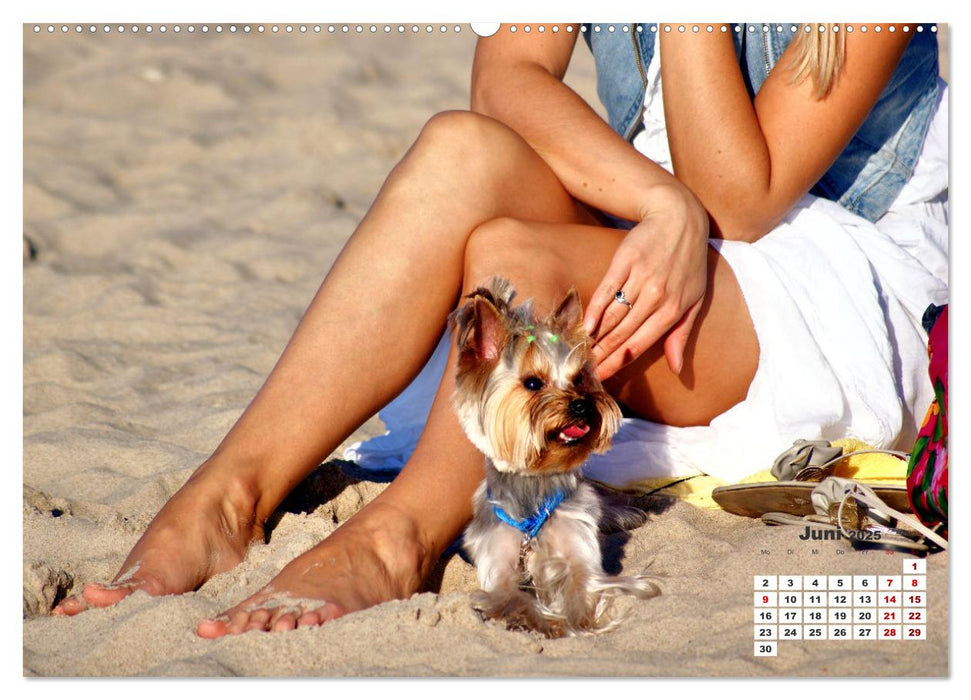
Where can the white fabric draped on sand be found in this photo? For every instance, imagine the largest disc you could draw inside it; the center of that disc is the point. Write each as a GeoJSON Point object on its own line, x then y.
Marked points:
{"type": "Point", "coordinates": [836, 302]}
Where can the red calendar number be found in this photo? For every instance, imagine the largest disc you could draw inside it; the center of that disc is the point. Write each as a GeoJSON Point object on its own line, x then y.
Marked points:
{"type": "Point", "coordinates": [890, 632]}
{"type": "Point", "coordinates": [913, 632]}
{"type": "Point", "coordinates": [889, 599]}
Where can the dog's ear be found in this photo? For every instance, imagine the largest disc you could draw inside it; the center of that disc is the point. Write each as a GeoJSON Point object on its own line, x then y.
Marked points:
{"type": "Point", "coordinates": [481, 329]}
{"type": "Point", "coordinates": [490, 330]}
{"type": "Point", "coordinates": [569, 314]}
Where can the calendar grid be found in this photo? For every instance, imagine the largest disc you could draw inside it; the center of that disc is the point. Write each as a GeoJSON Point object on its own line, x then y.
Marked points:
{"type": "Point", "coordinates": [877, 607]}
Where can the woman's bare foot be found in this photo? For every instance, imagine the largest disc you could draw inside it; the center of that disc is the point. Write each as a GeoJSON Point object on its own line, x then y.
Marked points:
{"type": "Point", "coordinates": [203, 530]}
{"type": "Point", "coordinates": [376, 556]}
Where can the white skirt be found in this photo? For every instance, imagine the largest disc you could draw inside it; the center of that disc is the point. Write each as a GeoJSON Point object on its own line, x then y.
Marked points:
{"type": "Point", "coordinates": [836, 302]}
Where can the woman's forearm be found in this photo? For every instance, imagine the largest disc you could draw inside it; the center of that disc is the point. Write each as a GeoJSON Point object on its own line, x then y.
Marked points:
{"type": "Point", "coordinates": [750, 162]}
{"type": "Point", "coordinates": [595, 165]}
{"type": "Point", "coordinates": [717, 146]}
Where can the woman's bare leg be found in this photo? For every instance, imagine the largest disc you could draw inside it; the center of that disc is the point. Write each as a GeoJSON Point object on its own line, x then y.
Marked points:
{"type": "Point", "coordinates": [368, 331]}
{"type": "Point", "coordinates": [384, 551]}
{"type": "Point", "coordinates": [430, 501]}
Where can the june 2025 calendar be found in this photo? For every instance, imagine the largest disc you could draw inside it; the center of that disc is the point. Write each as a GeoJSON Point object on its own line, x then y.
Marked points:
{"type": "Point", "coordinates": [805, 608]}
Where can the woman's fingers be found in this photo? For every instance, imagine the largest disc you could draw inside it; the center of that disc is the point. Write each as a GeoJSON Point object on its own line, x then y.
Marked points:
{"type": "Point", "coordinates": [600, 316]}
{"type": "Point", "coordinates": [645, 298]}
{"type": "Point", "coordinates": [677, 339]}
{"type": "Point", "coordinates": [621, 320]}
{"type": "Point", "coordinates": [633, 337]}
{"type": "Point", "coordinates": [616, 314]}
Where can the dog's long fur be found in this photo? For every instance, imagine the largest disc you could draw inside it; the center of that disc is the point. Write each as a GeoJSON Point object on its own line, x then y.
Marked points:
{"type": "Point", "coordinates": [527, 395]}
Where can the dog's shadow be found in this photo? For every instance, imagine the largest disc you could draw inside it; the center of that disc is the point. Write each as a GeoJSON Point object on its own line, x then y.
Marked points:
{"type": "Point", "coordinates": [623, 513]}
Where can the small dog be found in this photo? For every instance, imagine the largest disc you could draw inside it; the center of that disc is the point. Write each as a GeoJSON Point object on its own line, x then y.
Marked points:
{"type": "Point", "coordinates": [529, 399]}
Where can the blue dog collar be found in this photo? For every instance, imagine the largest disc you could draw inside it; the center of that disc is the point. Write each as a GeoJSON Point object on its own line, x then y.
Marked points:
{"type": "Point", "coordinates": [530, 526]}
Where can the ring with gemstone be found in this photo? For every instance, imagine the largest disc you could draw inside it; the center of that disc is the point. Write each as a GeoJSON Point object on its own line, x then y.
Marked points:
{"type": "Point", "coordinates": [621, 298]}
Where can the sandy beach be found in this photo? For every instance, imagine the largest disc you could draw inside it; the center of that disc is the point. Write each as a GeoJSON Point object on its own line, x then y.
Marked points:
{"type": "Point", "coordinates": [184, 194]}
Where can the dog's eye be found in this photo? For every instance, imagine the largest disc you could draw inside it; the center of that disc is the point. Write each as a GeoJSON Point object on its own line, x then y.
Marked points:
{"type": "Point", "coordinates": [533, 383]}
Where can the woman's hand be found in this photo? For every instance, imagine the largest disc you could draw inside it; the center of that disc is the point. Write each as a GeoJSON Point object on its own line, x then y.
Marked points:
{"type": "Point", "coordinates": [662, 269]}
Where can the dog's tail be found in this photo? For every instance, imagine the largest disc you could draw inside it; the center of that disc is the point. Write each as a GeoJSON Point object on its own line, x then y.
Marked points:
{"type": "Point", "coordinates": [636, 585]}
{"type": "Point", "coordinates": [607, 592]}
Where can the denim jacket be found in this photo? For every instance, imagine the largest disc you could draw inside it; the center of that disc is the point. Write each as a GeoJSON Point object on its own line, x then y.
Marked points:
{"type": "Point", "coordinates": [874, 166]}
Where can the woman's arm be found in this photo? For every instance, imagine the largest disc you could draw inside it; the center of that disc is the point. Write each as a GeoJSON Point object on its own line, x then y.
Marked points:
{"type": "Point", "coordinates": [517, 78]}
{"type": "Point", "coordinates": [750, 163]}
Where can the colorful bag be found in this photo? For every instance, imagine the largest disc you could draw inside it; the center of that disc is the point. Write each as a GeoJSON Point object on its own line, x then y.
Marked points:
{"type": "Point", "coordinates": [927, 470]}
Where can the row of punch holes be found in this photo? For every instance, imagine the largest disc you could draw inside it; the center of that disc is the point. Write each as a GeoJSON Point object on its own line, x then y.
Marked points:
{"type": "Point", "coordinates": [710, 28]}
{"type": "Point", "coordinates": [249, 29]}
{"type": "Point", "coordinates": [428, 28]}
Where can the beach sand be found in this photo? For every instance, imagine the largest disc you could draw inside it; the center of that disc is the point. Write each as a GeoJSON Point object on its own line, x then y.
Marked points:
{"type": "Point", "coordinates": [183, 197]}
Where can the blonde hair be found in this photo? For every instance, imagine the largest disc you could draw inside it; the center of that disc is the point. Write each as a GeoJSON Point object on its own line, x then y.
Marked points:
{"type": "Point", "coordinates": [819, 55]}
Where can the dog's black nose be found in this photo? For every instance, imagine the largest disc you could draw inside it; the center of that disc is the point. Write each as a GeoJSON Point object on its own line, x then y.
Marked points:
{"type": "Point", "coordinates": [580, 407]}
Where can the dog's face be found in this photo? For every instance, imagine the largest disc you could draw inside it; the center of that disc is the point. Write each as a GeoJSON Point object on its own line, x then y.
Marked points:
{"type": "Point", "coordinates": [526, 391]}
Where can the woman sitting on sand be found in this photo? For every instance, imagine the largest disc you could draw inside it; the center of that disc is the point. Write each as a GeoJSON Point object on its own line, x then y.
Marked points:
{"type": "Point", "coordinates": [757, 313]}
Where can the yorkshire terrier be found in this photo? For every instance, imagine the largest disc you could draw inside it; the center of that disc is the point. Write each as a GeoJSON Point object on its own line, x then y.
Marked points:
{"type": "Point", "coordinates": [528, 397]}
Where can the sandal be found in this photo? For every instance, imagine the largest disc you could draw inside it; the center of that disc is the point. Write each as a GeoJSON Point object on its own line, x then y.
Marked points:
{"type": "Point", "coordinates": [791, 497]}
{"type": "Point", "coordinates": [799, 470]}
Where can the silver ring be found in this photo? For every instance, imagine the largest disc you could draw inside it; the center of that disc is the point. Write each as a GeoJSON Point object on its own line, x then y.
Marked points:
{"type": "Point", "coordinates": [621, 298]}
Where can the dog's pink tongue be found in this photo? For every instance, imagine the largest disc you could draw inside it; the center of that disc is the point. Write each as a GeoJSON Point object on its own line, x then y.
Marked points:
{"type": "Point", "coordinates": [575, 431]}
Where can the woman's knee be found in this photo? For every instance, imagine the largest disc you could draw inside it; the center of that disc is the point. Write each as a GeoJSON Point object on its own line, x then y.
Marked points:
{"type": "Point", "coordinates": [458, 127]}
{"type": "Point", "coordinates": [505, 246]}
{"type": "Point", "coordinates": [466, 139]}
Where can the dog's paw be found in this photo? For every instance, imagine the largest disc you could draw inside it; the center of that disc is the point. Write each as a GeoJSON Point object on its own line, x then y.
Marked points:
{"type": "Point", "coordinates": [519, 611]}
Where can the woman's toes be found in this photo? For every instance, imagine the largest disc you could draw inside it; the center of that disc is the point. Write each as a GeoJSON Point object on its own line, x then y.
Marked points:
{"type": "Point", "coordinates": [70, 606]}
{"type": "Point", "coordinates": [213, 629]}
{"type": "Point", "coordinates": [93, 595]}
{"type": "Point", "coordinates": [238, 619]}
{"type": "Point", "coordinates": [258, 620]}
{"type": "Point", "coordinates": [331, 611]}
{"type": "Point", "coordinates": [310, 619]}
{"type": "Point", "coordinates": [284, 622]}
{"type": "Point", "coordinates": [100, 596]}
